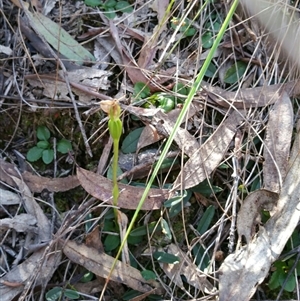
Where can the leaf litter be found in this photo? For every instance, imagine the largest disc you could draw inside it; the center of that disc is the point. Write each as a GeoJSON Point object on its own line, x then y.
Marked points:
{"type": "Point", "coordinates": [204, 156]}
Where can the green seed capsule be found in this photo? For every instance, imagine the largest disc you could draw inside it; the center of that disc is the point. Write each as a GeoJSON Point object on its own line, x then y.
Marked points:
{"type": "Point", "coordinates": [115, 128]}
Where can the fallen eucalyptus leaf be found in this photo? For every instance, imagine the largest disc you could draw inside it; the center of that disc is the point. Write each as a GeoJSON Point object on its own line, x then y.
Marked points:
{"type": "Point", "coordinates": [101, 188]}
{"type": "Point", "coordinates": [100, 264]}
{"type": "Point", "coordinates": [58, 38]}
{"type": "Point", "coordinates": [277, 143]}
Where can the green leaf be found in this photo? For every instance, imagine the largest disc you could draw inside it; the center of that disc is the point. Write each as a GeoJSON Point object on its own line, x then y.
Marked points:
{"type": "Point", "coordinates": [124, 7]}
{"type": "Point", "coordinates": [206, 219]}
{"type": "Point", "coordinates": [130, 142]}
{"type": "Point", "coordinates": [34, 154]}
{"type": "Point", "coordinates": [119, 172]}
{"type": "Point", "coordinates": [181, 89]}
{"type": "Point", "coordinates": [88, 222]}
{"type": "Point", "coordinates": [142, 230]}
{"type": "Point", "coordinates": [168, 162]}
{"type": "Point", "coordinates": [211, 70]}
{"type": "Point", "coordinates": [175, 209]}
{"type": "Point", "coordinates": [235, 72]}
{"type": "Point", "coordinates": [191, 31]}
{"type": "Point", "coordinates": [71, 294]}
{"type": "Point", "coordinates": [217, 26]}
{"type": "Point", "coordinates": [48, 156]}
{"type": "Point", "coordinates": [166, 103]}
{"type": "Point", "coordinates": [141, 91]}
{"type": "Point", "coordinates": [64, 146]}
{"type": "Point", "coordinates": [87, 277]}
{"type": "Point", "coordinates": [201, 257]}
{"type": "Point", "coordinates": [54, 294]}
{"type": "Point", "coordinates": [43, 144]}
{"type": "Point", "coordinates": [166, 257]}
{"type": "Point", "coordinates": [166, 229]}
{"type": "Point", "coordinates": [110, 14]}
{"type": "Point", "coordinates": [109, 224]}
{"type": "Point", "coordinates": [93, 3]}
{"type": "Point", "coordinates": [110, 3]}
{"type": "Point", "coordinates": [274, 280]}
{"type": "Point", "coordinates": [148, 275]}
{"type": "Point", "coordinates": [43, 133]}
{"type": "Point", "coordinates": [206, 189]}
{"type": "Point", "coordinates": [131, 294]}
{"type": "Point", "coordinates": [58, 38]}
{"type": "Point", "coordinates": [175, 200]}
{"type": "Point", "coordinates": [135, 240]}
{"type": "Point", "coordinates": [111, 242]}
{"type": "Point", "coordinates": [290, 283]}
{"type": "Point", "coordinates": [207, 40]}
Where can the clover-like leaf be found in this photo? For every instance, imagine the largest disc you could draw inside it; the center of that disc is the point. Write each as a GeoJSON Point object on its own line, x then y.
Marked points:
{"type": "Point", "coordinates": [43, 133]}
{"type": "Point", "coordinates": [34, 154]}
{"type": "Point", "coordinates": [48, 156]}
{"type": "Point", "coordinates": [64, 146]}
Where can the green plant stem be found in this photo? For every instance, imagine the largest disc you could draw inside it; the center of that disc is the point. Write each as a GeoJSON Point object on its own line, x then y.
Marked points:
{"type": "Point", "coordinates": [180, 119]}
{"type": "Point", "coordinates": [115, 191]}
{"type": "Point", "coordinates": [115, 130]}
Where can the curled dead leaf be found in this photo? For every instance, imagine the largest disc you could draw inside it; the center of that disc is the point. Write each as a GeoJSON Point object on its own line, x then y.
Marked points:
{"type": "Point", "coordinates": [101, 188]}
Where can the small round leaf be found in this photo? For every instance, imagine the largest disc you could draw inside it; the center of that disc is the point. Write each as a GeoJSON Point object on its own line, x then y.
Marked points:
{"type": "Point", "coordinates": [207, 40]}
{"type": "Point", "coordinates": [87, 277]}
{"type": "Point", "coordinates": [54, 294]}
{"type": "Point", "coordinates": [44, 144]}
{"type": "Point", "coordinates": [92, 3]}
{"type": "Point", "coordinates": [111, 242]}
{"type": "Point", "coordinates": [235, 72]}
{"type": "Point", "coordinates": [166, 257]}
{"type": "Point", "coordinates": [124, 7]}
{"type": "Point", "coordinates": [148, 275]}
{"type": "Point", "coordinates": [71, 294]}
{"type": "Point", "coordinates": [130, 142]}
{"type": "Point", "coordinates": [48, 155]}
{"type": "Point", "coordinates": [43, 133]}
{"type": "Point", "coordinates": [64, 146]}
{"type": "Point", "coordinates": [34, 154]}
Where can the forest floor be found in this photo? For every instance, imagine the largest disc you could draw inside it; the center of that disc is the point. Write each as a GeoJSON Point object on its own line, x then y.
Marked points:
{"type": "Point", "coordinates": [63, 66]}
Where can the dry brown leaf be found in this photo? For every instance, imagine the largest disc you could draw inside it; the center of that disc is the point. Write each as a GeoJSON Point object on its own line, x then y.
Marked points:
{"type": "Point", "coordinates": [143, 296]}
{"type": "Point", "coordinates": [251, 97]}
{"type": "Point", "coordinates": [242, 272]}
{"type": "Point", "coordinates": [139, 112]}
{"type": "Point", "coordinates": [135, 73]}
{"type": "Point", "coordinates": [26, 271]}
{"type": "Point", "coordinates": [185, 267]}
{"type": "Point", "coordinates": [249, 214]}
{"type": "Point", "coordinates": [183, 138]}
{"type": "Point", "coordinates": [277, 143]}
{"type": "Point", "coordinates": [100, 264]}
{"type": "Point", "coordinates": [93, 240]}
{"type": "Point", "coordinates": [30, 269]}
{"type": "Point", "coordinates": [36, 183]}
{"type": "Point", "coordinates": [101, 188]}
{"type": "Point", "coordinates": [148, 51]}
{"type": "Point", "coordinates": [150, 45]}
{"type": "Point", "coordinates": [163, 124]}
{"type": "Point", "coordinates": [21, 223]}
{"type": "Point", "coordinates": [82, 80]}
{"type": "Point", "coordinates": [148, 136]}
{"type": "Point", "coordinates": [91, 287]}
{"type": "Point", "coordinates": [8, 197]}
{"type": "Point", "coordinates": [123, 224]}
{"type": "Point", "coordinates": [32, 207]}
{"type": "Point", "coordinates": [204, 161]}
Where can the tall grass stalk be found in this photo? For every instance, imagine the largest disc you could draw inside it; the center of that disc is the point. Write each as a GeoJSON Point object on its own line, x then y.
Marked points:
{"type": "Point", "coordinates": [180, 119]}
